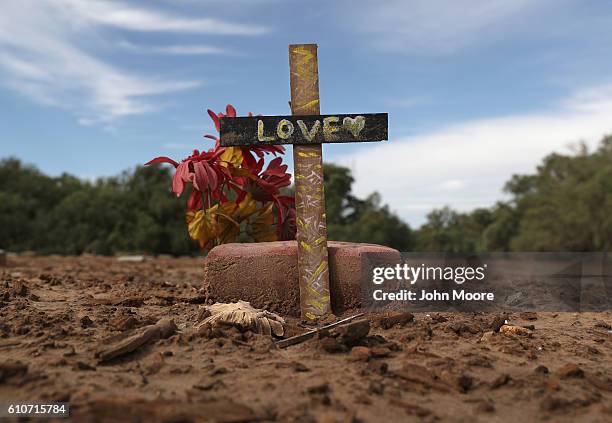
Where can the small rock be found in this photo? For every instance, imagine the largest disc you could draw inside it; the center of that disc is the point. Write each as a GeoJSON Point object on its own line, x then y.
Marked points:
{"type": "Point", "coordinates": [438, 318]}
{"type": "Point", "coordinates": [70, 352]}
{"type": "Point", "coordinates": [80, 365]}
{"type": "Point", "coordinates": [497, 323]}
{"type": "Point", "coordinates": [332, 345]}
{"type": "Point", "coordinates": [295, 365]}
{"type": "Point", "coordinates": [500, 381]}
{"type": "Point", "coordinates": [541, 369]}
{"type": "Point", "coordinates": [322, 388]}
{"type": "Point", "coordinates": [208, 385]}
{"type": "Point", "coordinates": [380, 352]}
{"type": "Point", "coordinates": [570, 370]}
{"type": "Point", "coordinates": [528, 315]}
{"type": "Point", "coordinates": [86, 322]}
{"type": "Point", "coordinates": [218, 371]}
{"type": "Point", "coordinates": [462, 328]}
{"type": "Point", "coordinates": [299, 367]}
{"type": "Point", "coordinates": [396, 318]}
{"type": "Point", "coordinates": [350, 333]}
{"type": "Point", "coordinates": [465, 383]}
{"type": "Point", "coordinates": [360, 354]}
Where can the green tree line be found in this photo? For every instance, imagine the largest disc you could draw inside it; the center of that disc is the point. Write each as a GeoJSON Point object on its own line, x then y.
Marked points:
{"type": "Point", "coordinates": [566, 205]}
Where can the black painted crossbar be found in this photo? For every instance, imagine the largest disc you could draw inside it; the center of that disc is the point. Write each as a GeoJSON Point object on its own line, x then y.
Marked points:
{"type": "Point", "coordinates": [311, 129]}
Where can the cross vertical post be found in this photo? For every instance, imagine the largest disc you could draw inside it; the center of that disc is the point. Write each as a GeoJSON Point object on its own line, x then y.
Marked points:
{"type": "Point", "coordinates": [313, 267]}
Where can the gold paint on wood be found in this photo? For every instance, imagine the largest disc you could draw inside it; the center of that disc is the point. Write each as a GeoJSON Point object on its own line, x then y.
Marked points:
{"type": "Point", "coordinates": [313, 267]}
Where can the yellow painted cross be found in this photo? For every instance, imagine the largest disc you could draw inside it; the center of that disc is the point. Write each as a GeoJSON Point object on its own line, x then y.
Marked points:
{"type": "Point", "coordinates": [306, 129]}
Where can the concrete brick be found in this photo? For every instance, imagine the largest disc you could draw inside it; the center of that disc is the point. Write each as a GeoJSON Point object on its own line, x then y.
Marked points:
{"type": "Point", "coordinates": [265, 274]}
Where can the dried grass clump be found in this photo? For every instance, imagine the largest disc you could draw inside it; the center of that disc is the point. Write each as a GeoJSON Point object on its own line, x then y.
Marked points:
{"type": "Point", "coordinates": [245, 317]}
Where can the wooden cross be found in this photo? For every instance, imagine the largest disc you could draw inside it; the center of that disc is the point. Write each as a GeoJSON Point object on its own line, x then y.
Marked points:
{"type": "Point", "coordinates": [306, 129]}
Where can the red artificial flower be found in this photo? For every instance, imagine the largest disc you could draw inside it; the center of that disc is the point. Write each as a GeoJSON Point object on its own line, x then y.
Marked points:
{"type": "Point", "coordinates": [211, 178]}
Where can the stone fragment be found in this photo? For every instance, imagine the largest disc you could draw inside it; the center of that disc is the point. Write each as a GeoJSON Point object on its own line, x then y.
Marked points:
{"type": "Point", "coordinates": [360, 354]}
{"type": "Point", "coordinates": [351, 333]}
{"type": "Point", "coordinates": [396, 318]}
{"type": "Point", "coordinates": [332, 345]}
{"type": "Point", "coordinates": [570, 370]}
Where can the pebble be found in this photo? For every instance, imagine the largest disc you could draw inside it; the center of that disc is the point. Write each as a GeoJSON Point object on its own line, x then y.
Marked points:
{"type": "Point", "coordinates": [528, 315]}
{"type": "Point", "coordinates": [465, 383]}
{"type": "Point", "coordinates": [570, 370]}
{"type": "Point", "coordinates": [360, 354]}
{"type": "Point", "coordinates": [350, 333]}
{"type": "Point", "coordinates": [331, 345]}
{"type": "Point", "coordinates": [396, 318]}
{"type": "Point", "coordinates": [500, 381]}
{"type": "Point", "coordinates": [380, 352]}
{"type": "Point", "coordinates": [497, 323]}
{"type": "Point", "coordinates": [322, 388]}
{"type": "Point", "coordinates": [86, 322]}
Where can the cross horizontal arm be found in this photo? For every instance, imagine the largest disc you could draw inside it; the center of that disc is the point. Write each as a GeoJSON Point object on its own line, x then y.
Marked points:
{"type": "Point", "coordinates": [309, 129]}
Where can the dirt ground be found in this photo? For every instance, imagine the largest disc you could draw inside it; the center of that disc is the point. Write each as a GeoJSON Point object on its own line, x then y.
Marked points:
{"type": "Point", "coordinates": [57, 312]}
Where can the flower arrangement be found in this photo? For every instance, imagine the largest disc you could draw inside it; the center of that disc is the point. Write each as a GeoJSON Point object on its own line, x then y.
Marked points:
{"type": "Point", "coordinates": [233, 198]}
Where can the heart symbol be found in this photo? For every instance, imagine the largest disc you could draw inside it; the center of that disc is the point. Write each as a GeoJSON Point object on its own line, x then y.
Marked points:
{"type": "Point", "coordinates": [354, 125]}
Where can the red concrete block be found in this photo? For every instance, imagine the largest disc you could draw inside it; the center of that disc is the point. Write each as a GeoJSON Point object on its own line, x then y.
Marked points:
{"type": "Point", "coordinates": [265, 274]}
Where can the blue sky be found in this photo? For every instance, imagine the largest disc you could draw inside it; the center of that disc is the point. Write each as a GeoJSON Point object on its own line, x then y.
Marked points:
{"type": "Point", "coordinates": [475, 90]}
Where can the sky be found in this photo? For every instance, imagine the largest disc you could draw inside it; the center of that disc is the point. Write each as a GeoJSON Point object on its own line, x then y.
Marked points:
{"type": "Point", "coordinates": [476, 90]}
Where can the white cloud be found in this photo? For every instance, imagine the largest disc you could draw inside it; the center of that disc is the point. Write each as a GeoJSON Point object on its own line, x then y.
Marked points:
{"type": "Point", "coordinates": [47, 54]}
{"type": "Point", "coordinates": [134, 18]}
{"type": "Point", "coordinates": [181, 50]}
{"type": "Point", "coordinates": [466, 165]}
{"type": "Point", "coordinates": [439, 26]}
